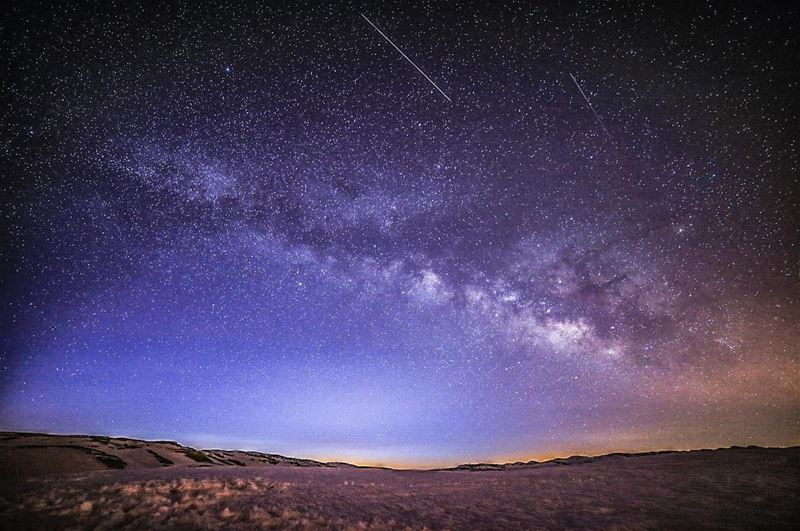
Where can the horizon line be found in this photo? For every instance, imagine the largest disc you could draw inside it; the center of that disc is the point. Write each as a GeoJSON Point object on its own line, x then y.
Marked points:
{"type": "Point", "coordinates": [539, 459]}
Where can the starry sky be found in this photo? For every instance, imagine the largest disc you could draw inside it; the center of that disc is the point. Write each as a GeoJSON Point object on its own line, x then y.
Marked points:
{"type": "Point", "coordinates": [257, 225]}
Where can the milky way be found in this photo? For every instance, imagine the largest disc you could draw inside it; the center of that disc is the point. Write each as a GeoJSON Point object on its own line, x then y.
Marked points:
{"type": "Point", "coordinates": [259, 227]}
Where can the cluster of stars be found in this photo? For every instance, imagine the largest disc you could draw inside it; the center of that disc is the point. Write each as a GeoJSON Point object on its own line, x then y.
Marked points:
{"type": "Point", "coordinates": [263, 228]}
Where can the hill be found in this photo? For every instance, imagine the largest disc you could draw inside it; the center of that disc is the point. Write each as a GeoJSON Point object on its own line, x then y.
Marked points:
{"type": "Point", "coordinates": [33, 454]}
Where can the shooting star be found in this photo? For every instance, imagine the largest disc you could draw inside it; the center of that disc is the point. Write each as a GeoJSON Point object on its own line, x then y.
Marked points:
{"type": "Point", "coordinates": [404, 55]}
{"type": "Point", "coordinates": [591, 108]}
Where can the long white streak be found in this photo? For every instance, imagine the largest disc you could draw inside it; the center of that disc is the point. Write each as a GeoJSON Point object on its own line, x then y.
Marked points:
{"type": "Point", "coordinates": [404, 55]}
{"type": "Point", "coordinates": [590, 107]}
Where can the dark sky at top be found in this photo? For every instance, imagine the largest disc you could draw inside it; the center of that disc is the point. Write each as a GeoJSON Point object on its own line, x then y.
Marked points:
{"type": "Point", "coordinates": [256, 225]}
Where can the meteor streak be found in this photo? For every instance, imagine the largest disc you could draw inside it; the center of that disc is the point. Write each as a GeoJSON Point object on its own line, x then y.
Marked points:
{"type": "Point", "coordinates": [590, 107]}
{"type": "Point", "coordinates": [404, 55]}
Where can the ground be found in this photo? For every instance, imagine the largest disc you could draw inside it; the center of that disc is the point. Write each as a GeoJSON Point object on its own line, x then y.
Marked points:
{"type": "Point", "coordinates": [746, 488]}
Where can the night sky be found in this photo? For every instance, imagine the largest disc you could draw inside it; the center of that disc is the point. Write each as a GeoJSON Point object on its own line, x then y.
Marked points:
{"type": "Point", "coordinates": [258, 226]}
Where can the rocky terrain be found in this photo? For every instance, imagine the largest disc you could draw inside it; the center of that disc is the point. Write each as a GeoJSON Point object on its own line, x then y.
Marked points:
{"type": "Point", "coordinates": [85, 482]}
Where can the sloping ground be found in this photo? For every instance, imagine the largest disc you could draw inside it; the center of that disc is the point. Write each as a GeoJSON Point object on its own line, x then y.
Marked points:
{"type": "Point", "coordinates": [31, 454]}
{"type": "Point", "coordinates": [739, 488]}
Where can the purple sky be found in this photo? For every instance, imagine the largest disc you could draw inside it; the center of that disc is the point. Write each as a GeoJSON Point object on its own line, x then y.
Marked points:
{"type": "Point", "coordinates": [260, 227]}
